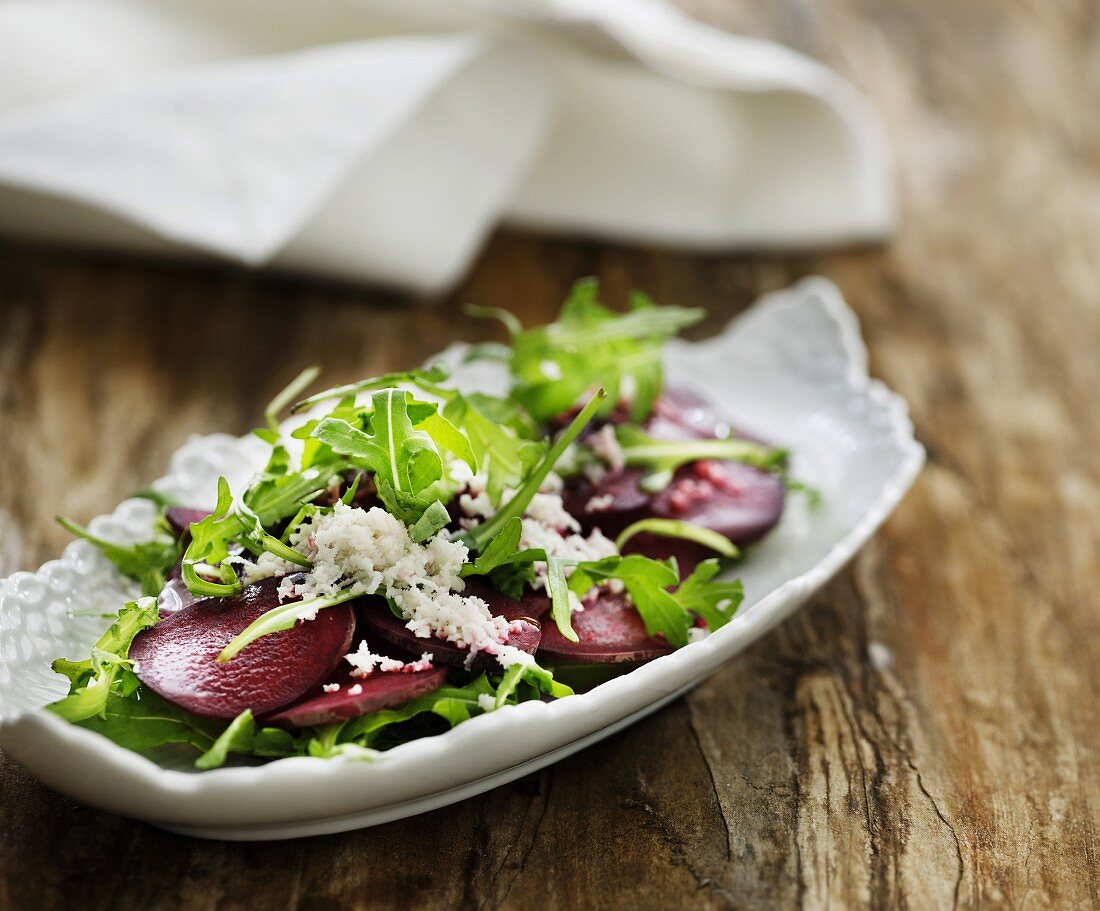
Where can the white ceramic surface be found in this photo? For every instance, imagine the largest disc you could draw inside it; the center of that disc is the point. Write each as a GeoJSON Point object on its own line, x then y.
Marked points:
{"type": "Point", "coordinates": [792, 370]}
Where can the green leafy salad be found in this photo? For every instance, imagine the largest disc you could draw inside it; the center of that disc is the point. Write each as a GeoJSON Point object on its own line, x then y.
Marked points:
{"type": "Point", "coordinates": [413, 554]}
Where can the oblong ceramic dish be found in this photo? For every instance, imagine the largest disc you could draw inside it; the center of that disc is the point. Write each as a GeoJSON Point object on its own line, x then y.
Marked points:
{"type": "Point", "coordinates": [791, 370]}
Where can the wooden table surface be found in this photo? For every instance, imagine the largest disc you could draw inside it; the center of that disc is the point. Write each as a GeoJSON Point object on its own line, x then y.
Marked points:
{"type": "Point", "coordinates": [926, 732]}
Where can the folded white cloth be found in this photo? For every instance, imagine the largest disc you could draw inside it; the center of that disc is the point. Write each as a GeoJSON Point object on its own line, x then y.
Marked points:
{"type": "Point", "coordinates": [381, 140]}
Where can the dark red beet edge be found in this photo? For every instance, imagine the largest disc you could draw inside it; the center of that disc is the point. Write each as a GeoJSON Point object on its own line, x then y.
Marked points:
{"type": "Point", "coordinates": [378, 691]}
{"type": "Point", "coordinates": [177, 657]}
{"type": "Point", "coordinates": [736, 500]}
{"type": "Point", "coordinates": [609, 631]}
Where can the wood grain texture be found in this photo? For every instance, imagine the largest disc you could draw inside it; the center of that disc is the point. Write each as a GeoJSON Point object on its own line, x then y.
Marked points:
{"type": "Point", "coordinates": [925, 734]}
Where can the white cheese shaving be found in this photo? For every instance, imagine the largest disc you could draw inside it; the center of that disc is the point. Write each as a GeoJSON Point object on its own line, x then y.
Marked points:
{"type": "Point", "coordinates": [486, 702]}
{"type": "Point", "coordinates": [474, 500]}
{"type": "Point", "coordinates": [600, 503]}
{"type": "Point", "coordinates": [548, 509]}
{"type": "Point", "coordinates": [331, 687]}
{"type": "Point", "coordinates": [372, 551]}
{"type": "Point", "coordinates": [364, 662]}
{"type": "Point", "coordinates": [606, 445]}
{"type": "Point", "coordinates": [554, 483]}
{"type": "Point", "coordinates": [546, 525]}
{"type": "Point", "coordinates": [265, 566]}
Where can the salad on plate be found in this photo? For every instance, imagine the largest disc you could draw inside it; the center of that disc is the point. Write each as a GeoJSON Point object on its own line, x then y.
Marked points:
{"type": "Point", "coordinates": [413, 554]}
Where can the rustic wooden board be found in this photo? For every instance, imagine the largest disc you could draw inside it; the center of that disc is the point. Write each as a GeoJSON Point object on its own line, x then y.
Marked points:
{"type": "Point", "coordinates": [926, 733]}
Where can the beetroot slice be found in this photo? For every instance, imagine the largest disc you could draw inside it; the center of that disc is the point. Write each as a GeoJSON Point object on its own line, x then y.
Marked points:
{"type": "Point", "coordinates": [609, 631]}
{"type": "Point", "coordinates": [736, 500]}
{"type": "Point", "coordinates": [181, 518]}
{"type": "Point", "coordinates": [380, 619]}
{"type": "Point", "coordinates": [378, 690]}
{"type": "Point", "coordinates": [177, 657]}
{"type": "Point", "coordinates": [739, 501]}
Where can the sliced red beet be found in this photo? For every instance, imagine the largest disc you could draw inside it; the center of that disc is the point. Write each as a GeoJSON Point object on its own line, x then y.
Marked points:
{"type": "Point", "coordinates": [533, 604]}
{"type": "Point", "coordinates": [380, 619]}
{"type": "Point", "coordinates": [181, 518]}
{"type": "Point", "coordinates": [736, 500]}
{"type": "Point", "coordinates": [359, 695]}
{"type": "Point", "coordinates": [177, 658]}
{"type": "Point", "coordinates": [739, 501]}
{"type": "Point", "coordinates": [609, 631]}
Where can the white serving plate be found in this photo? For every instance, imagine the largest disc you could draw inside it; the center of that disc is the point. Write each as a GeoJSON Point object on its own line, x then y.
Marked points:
{"type": "Point", "coordinates": [792, 370]}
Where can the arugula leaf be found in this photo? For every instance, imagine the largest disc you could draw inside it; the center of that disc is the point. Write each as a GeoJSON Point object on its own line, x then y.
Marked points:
{"type": "Point", "coordinates": [274, 495]}
{"type": "Point", "coordinates": [499, 550]}
{"type": "Point", "coordinates": [515, 576]}
{"type": "Point", "coordinates": [236, 738]}
{"type": "Point", "coordinates": [715, 602]}
{"type": "Point", "coordinates": [349, 495]}
{"type": "Point", "coordinates": [148, 561]}
{"type": "Point", "coordinates": [90, 698]}
{"type": "Point", "coordinates": [508, 684]}
{"type": "Point", "coordinates": [426, 379]}
{"type": "Point", "coordinates": [661, 458]}
{"type": "Point", "coordinates": [433, 521]}
{"type": "Point", "coordinates": [666, 606]}
{"type": "Point", "coordinates": [91, 682]}
{"type": "Point", "coordinates": [280, 618]}
{"type": "Point", "coordinates": [506, 317]}
{"type": "Point", "coordinates": [494, 442]}
{"type": "Point", "coordinates": [143, 722]}
{"type": "Point", "coordinates": [589, 345]}
{"type": "Point", "coordinates": [131, 620]}
{"type": "Point", "coordinates": [209, 545]}
{"type": "Point", "coordinates": [448, 437]}
{"type": "Point", "coordinates": [509, 569]}
{"type": "Point", "coordinates": [453, 704]}
{"type": "Point", "coordinates": [358, 737]}
{"type": "Point", "coordinates": [648, 582]}
{"type": "Point", "coordinates": [561, 604]}
{"type": "Point", "coordinates": [243, 737]}
{"type": "Point", "coordinates": [403, 459]}
{"type": "Point", "coordinates": [542, 680]}
{"type": "Point", "coordinates": [293, 389]}
{"type": "Point", "coordinates": [675, 528]}
{"type": "Point", "coordinates": [480, 535]}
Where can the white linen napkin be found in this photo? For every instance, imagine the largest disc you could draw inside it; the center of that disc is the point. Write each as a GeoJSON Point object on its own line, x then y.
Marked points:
{"type": "Point", "coordinates": [380, 140]}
